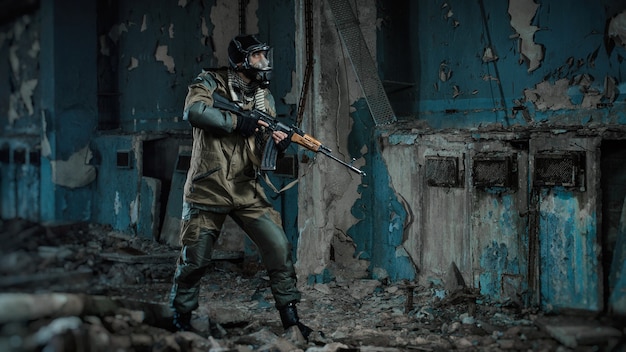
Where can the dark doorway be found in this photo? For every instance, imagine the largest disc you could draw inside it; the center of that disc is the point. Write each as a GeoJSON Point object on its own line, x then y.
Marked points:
{"type": "Point", "coordinates": [613, 183]}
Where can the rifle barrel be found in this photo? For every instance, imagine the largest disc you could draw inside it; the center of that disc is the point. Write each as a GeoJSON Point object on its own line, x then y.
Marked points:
{"type": "Point", "coordinates": [327, 152]}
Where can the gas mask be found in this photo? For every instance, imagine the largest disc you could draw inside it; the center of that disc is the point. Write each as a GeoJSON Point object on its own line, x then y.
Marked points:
{"type": "Point", "coordinates": [252, 57]}
{"type": "Point", "coordinates": [258, 66]}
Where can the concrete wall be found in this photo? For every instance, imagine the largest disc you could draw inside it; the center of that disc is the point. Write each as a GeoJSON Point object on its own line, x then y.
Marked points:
{"type": "Point", "coordinates": [486, 94]}
{"type": "Point", "coordinates": [509, 119]}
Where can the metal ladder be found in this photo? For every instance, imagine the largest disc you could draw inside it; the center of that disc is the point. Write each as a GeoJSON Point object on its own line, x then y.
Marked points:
{"type": "Point", "coordinates": [362, 62]}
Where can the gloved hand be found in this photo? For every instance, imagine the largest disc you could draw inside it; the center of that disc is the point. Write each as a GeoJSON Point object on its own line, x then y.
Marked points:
{"type": "Point", "coordinates": [247, 123]}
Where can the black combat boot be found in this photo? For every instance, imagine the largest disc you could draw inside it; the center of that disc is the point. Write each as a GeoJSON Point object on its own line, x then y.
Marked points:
{"type": "Point", "coordinates": [182, 321]}
{"type": "Point", "coordinates": [289, 318]}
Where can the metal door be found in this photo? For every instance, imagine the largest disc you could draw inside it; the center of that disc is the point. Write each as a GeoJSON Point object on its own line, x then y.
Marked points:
{"type": "Point", "coordinates": [565, 237]}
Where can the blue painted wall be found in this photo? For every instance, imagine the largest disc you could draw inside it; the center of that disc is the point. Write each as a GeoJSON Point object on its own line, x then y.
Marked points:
{"type": "Point", "coordinates": [573, 37]}
{"type": "Point", "coordinates": [68, 100]}
{"type": "Point", "coordinates": [379, 233]}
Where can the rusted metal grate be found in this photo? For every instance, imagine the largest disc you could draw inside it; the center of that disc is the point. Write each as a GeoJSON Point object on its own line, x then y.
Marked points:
{"type": "Point", "coordinates": [442, 171]}
{"type": "Point", "coordinates": [494, 171]}
{"type": "Point", "coordinates": [559, 169]}
{"type": "Point", "coordinates": [362, 62]}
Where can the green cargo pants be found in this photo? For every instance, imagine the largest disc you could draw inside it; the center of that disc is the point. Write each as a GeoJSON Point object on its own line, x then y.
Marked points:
{"type": "Point", "coordinates": [199, 231]}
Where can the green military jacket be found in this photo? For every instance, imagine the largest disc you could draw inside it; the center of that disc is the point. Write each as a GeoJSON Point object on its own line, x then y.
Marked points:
{"type": "Point", "coordinates": [223, 167]}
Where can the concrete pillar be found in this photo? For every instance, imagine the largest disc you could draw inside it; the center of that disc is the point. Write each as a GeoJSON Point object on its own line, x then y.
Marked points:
{"type": "Point", "coordinates": [69, 105]}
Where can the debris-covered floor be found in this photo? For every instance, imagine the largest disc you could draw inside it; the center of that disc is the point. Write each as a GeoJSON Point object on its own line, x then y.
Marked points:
{"type": "Point", "coordinates": [82, 287]}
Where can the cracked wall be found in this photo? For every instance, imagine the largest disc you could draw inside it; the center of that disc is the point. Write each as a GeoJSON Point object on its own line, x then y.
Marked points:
{"type": "Point", "coordinates": [513, 68]}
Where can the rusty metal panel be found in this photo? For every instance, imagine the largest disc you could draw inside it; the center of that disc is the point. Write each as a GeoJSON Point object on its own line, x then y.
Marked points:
{"type": "Point", "coordinates": [567, 238]}
{"type": "Point", "coordinates": [499, 227]}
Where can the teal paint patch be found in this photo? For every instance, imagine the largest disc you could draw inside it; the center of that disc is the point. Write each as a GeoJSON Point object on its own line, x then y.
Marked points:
{"type": "Point", "coordinates": [380, 226]}
{"type": "Point", "coordinates": [116, 188]}
{"type": "Point", "coordinates": [494, 262]}
{"type": "Point", "coordinates": [501, 240]}
{"type": "Point", "coordinates": [567, 250]}
{"type": "Point", "coordinates": [402, 139]}
{"type": "Point", "coordinates": [506, 224]}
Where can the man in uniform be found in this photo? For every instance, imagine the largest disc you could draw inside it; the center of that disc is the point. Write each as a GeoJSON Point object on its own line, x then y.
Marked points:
{"type": "Point", "coordinates": [223, 180]}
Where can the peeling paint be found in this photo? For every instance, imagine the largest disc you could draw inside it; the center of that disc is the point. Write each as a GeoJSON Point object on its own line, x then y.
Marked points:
{"type": "Point", "coordinates": [546, 96]}
{"type": "Point", "coordinates": [568, 249]}
{"type": "Point", "coordinates": [610, 88]}
{"type": "Point", "coordinates": [617, 29]}
{"type": "Point", "coordinates": [168, 61]}
{"type": "Point", "coordinates": [13, 104]}
{"type": "Point", "coordinates": [134, 63]}
{"type": "Point", "coordinates": [117, 204]}
{"type": "Point", "coordinates": [74, 172]}
{"type": "Point", "coordinates": [22, 98]}
{"type": "Point", "coordinates": [33, 53]}
{"type": "Point", "coordinates": [144, 23]}
{"type": "Point", "coordinates": [46, 149]}
{"type": "Point", "coordinates": [26, 93]}
{"type": "Point", "coordinates": [104, 47]}
{"type": "Point", "coordinates": [566, 94]}
{"type": "Point", "coordinates": [205, 32]}
{"type": "Point", "coordinates": [444, 72]}
{"type": "Point", "coordinates": [14, 61]}
{"type": "Point", "coordinates": [489, 55]}
{"type": "Point", "coordinates": [495, 260]}
{"type": "Point", "coordinates": [224, 14]}
{"type": "Point", "coordinates": [133, 210]}
{"type": "Point", "coordinates": [116, 31]}
{"type": "Point", "coordinates": [292, 97]}
{"type": "Point", "coordinates": [522, 13]}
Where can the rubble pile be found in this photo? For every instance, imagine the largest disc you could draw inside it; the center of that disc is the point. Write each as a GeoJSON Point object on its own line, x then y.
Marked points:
{"type": "Point", "coordinates": [85, 287]}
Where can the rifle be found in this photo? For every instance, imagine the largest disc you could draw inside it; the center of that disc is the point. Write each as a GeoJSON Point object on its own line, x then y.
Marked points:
{"type": "Point", "coordinates": [270, 153]}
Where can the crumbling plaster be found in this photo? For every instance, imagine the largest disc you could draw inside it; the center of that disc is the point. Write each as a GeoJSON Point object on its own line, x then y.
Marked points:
{"type": "Point", "coordinates": [225, 18]}
{"type": "Point", "coordinates": [522, 13]}
{"type": "Point", "coordinates": [580, 89]}
{"type": "Point", "coordinates": [22, 43]}
{"type": "Point", "coordinates": [617, 29]}
{"type": "Point", "coordinates": [328, 191]}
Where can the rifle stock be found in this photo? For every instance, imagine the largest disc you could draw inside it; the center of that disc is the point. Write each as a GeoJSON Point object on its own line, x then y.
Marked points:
{"type": "Point", "coordinates": [270, 153]}
{"type": "Point", "coordinates": [306, 141]}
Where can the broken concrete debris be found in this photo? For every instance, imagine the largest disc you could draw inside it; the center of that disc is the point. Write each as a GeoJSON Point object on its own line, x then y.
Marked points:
{"type": "Point", "coordinates": [113, 295]}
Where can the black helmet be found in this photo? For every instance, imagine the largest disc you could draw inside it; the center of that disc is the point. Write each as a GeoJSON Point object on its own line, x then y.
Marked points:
{"type": "Point", "coordinates": [239, 51]}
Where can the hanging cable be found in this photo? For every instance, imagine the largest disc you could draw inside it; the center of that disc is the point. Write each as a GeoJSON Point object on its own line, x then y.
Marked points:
{"type": "Point", "coordinates": [243, 4]}
{"type": "Point", "coordinates": [308, 71]}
